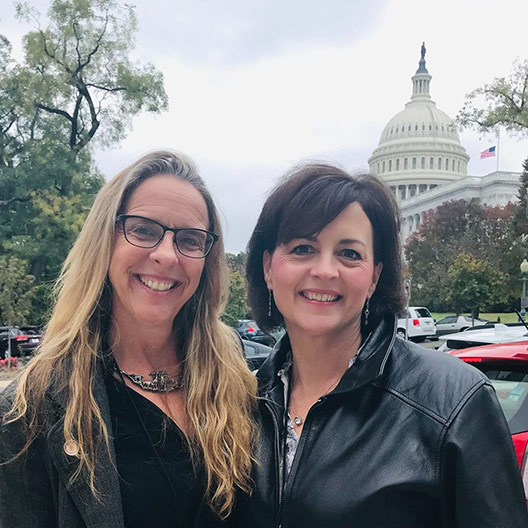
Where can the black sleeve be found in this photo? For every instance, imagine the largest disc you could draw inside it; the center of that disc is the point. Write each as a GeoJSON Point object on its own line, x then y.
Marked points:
{"type": "Point", "coordinates": [478, 468]}
{"type": "Point", "coordinates": [25, 492]}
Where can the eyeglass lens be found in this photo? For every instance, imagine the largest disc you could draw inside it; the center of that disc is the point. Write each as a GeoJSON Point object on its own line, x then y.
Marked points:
{"type": "Point", "coordinates": [145, 233]}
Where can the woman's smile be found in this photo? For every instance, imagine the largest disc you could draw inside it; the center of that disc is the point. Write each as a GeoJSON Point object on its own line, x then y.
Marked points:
{"type": "Point", "coordinates": [156, 284]}
{"type": "Point", "coordinates": [321, 296]}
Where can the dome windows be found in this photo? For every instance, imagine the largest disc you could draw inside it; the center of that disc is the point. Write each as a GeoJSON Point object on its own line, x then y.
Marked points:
{"type": "Point", "coordinates": [414, 163]}
{"type": "Point", "coordinates": [431, 163]}
{"type": "Point", "coordinates": [405, 164]}
{"type": "Point", "coordinates": [397, 164]}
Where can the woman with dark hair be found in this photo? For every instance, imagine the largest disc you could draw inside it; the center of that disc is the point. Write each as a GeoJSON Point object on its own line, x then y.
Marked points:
{"type": "Point", "coordinates": [361, 428]}
{"type": "Point", "coordinates": [137, 409]}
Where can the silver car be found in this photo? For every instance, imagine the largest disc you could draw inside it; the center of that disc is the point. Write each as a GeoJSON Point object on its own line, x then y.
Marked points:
{"type": "Point", "coordinates": [457, 323]}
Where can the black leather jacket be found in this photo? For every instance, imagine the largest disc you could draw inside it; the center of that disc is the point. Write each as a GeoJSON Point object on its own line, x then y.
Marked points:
{"type": "Point", "coordinates": [409, 438]}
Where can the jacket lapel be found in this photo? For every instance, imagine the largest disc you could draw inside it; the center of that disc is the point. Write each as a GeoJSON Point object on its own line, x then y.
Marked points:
{"type": "Point", "coordinates": [104, 511]}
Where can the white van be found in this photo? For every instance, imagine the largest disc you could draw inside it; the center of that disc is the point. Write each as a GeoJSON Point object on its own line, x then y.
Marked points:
{"type": "Point", "coordinates": [418, 325]}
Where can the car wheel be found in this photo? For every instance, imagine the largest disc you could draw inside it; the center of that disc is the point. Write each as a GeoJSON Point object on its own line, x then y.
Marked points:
{"type": "Point", "coordinates": [401, 333]}
{"type": "Point", "coordinates": [419, 339]}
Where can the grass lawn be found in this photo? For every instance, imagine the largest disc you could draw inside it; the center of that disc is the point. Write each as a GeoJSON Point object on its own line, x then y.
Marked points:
{"type": "Point", "coordinates": [491, 317]}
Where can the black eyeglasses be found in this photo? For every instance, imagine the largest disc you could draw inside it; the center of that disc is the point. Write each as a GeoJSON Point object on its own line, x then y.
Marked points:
{"type": "Point", "coordinates": [146, 233]}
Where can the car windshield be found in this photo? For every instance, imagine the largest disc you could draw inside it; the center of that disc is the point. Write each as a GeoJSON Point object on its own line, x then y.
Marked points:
{"type": "Point", "coordinates": [511, 386]}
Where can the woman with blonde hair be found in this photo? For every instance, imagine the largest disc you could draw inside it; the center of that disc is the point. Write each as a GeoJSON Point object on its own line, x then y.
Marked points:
{"type": "Point", "coordinates": [136, 411]}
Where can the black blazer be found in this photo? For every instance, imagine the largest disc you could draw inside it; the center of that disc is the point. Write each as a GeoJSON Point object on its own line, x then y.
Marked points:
{"type": "Point", "coordinates": [35, 490]}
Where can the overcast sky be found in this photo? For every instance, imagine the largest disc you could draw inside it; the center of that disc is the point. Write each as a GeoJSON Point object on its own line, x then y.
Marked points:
{"type": "Point", "coordinates": [256, 86]}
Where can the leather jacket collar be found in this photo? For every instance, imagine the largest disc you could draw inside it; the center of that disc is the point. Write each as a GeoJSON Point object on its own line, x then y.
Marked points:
{"type": "Point", "coordinates": [368, 367]}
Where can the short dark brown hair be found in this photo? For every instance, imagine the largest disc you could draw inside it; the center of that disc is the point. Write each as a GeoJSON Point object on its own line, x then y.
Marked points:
{"type": "Point", "coordinates": [306, 200]}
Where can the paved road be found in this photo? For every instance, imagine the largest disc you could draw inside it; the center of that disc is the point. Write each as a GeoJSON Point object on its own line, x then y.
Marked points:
{"type": "Point", "coordinates": [4, 383]}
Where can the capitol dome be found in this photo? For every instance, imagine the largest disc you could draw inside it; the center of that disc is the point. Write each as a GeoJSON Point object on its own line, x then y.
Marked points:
{"type": "Point", "coordinates": [419, 148]}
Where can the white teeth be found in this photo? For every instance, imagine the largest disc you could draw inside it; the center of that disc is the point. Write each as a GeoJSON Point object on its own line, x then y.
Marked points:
{"type": "Point", "coordinates": [322, 297]}
{"type": "Point", "coordinates": [157, 286]}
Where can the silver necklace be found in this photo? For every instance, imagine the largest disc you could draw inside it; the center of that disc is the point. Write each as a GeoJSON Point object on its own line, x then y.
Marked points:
{"type": "Point", "coordinates": [297, 420]}
{"type": "Point", "coordinates": [161, 381]}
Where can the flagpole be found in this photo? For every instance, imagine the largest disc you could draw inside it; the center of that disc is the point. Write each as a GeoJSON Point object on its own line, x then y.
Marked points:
{"type": "Point", "coordinates": [498, 144]}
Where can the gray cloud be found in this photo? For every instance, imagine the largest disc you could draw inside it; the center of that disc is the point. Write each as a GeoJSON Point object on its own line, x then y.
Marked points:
{"type": "Point", "coordinates": [237, 31]}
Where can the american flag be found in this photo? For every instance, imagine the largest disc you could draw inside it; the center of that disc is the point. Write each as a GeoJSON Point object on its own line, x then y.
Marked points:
{"type": "Point", "coordinates": [488, 153]}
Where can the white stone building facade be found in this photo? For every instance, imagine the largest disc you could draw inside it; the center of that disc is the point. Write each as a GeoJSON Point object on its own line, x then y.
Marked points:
{"type": "Point", "coordinates": [420, 156]}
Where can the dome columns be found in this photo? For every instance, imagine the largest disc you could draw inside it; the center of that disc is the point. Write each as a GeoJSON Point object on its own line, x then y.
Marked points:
{"type": "Point", "coordinates": [421, 83]}
{"type": "Point", "coordinates": [406, 191]}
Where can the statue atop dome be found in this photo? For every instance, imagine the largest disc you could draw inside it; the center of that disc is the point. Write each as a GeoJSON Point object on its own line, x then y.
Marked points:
{"type": "Point", "coordinates": [421, 64]}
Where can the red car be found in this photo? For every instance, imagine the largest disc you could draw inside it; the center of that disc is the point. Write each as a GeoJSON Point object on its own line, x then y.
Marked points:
{"type": "Point", "coordinates": [506, 366]}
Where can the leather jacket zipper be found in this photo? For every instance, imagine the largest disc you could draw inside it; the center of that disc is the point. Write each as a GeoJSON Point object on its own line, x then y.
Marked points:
{"type": "Point", "coordinates": [298, 453]}
{"type": "Point", "coordinates": [278, 473]}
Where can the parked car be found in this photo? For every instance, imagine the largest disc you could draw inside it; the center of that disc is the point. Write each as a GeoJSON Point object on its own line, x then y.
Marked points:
{"type": "Point", "coordinates": [255, 353]}
{"type": "Point", "coordinates": [506, 366]}
{"type": "Point", "coordinates": [484, 335]}
{"type": "Point", "coordinates": [5, 339]}
{"type": "Point", "coordinates": [457, 323]}
{"type": "Point", "coordinates": [248, 329]}
{"type": "Point", "coordinates": [417, 324]}
{"type": "Point", "coordinates": [27, 339]}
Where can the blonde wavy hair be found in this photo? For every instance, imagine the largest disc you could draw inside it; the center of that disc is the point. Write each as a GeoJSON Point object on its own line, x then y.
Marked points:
{"type": "Point", "coordinates": [221, 391]}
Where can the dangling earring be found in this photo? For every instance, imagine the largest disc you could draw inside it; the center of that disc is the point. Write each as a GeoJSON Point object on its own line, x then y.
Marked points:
{"type": "Point", "coordinates": [367, 311]}
{"type": "Point", "coordinates": [270, 295]}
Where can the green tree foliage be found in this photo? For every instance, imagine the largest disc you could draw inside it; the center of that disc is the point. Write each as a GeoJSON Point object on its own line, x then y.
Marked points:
{"type": "Point", "coordinates": [474, 284]}
{"type": "Point", "coordinates": [41, 303]}
{"type": "Point", "coordinates": [15, 290]}
{"type": "Point", "coordinates": [76, 86]}
{"type": "Point", "coordinates": [502, 102]}
{"type": "Point", "coordinates": [453, 228]}
{"type": "Point", "coordinates": [237, 262]}
{"type": "Point", "coordinates": [237, 306]}
{"type": "Point", "coordinates": [79, 78]}
{"type": "Point", "coordinates": [521, 211]}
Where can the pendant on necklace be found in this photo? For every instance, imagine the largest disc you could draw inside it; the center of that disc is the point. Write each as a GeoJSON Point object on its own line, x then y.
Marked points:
{"type": "Point", "coordinates": [297, 420]}
{"type": "Point", "coordinates": [161, 381]}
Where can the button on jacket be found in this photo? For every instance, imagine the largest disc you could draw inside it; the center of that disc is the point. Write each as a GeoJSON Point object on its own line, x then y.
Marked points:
{"type": "Point", "coordinates": [409, 438]}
